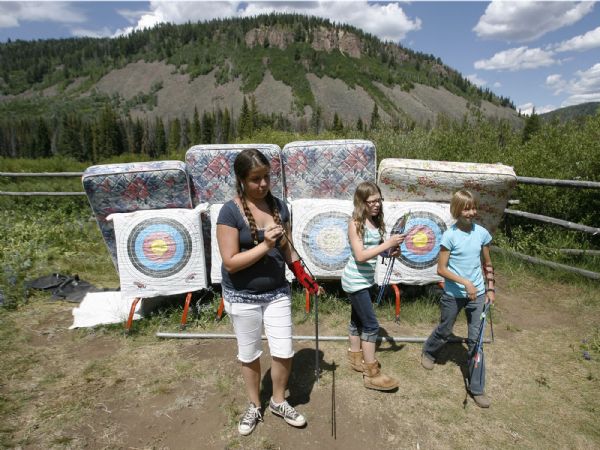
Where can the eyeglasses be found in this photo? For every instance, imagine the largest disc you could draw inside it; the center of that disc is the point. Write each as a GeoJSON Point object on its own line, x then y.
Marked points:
{"type": "Point", "coordinates": [373, 202]}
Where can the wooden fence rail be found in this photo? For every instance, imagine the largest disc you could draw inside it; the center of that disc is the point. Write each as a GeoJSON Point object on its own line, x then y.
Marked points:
{"type": "Point", "coordinates": [562, 183]}
{"type": "Point", "coordinates": [563, 223]}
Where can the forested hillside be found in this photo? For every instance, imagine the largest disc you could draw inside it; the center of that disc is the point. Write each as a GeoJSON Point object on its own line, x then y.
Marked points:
{"type": "Point", "coordinates": [174, 85]}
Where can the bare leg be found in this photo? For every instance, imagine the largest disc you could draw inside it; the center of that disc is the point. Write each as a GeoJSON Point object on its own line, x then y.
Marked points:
{"type": "Point", "coordinates": [251, 375]}
{"type": "Point", "coordinates": [354, 343]}
{"type": "Point", "coordinates": [368, 349]}
{"type": "Point", "coordinates": [280, 372]}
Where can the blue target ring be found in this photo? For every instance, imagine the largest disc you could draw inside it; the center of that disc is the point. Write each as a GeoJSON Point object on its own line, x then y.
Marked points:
{"type": "Point", "coordinates": [159, 247]}
{"type": "Point", "coordinates": [325, 239]}
{"type": "Point", "coordinates": [421, 245]}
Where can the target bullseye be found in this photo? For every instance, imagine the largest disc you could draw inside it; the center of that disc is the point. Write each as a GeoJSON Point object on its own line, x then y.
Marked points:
{"type": "Point", "coordinates": [159, 247]}
{"type": "Point", "coordinates": [422, 242]}
{"type": "Point", "coordinates": [325, 240]}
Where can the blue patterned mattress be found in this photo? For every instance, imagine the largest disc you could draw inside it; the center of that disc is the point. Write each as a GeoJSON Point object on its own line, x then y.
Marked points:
{"type": "Point", "coordinates": [210, 168]}
{"type": "Point", "coordinates": [327, 169]}
{"type": "Point", "coordinates": [123, 188]}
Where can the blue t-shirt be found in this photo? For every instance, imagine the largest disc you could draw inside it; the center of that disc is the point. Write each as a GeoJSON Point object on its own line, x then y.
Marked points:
{"type": "Point", "coordinates": [266, 274]}
{"type": "Point", "coordinates": [465, 258]}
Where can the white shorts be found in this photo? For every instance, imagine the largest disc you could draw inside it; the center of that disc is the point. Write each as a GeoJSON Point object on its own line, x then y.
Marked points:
{"type": "Point", "coordinates": [247, 320]}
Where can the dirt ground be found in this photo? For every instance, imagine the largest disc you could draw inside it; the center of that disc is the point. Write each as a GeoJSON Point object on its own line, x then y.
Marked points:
{"type": "Point", "coordinates": [98, 389]}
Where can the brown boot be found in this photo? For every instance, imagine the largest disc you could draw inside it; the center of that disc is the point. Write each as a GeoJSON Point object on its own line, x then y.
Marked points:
{"type": "Point", "coordinates": [355, 360]}
{"type": "Point", "coordinates": [374, 379]}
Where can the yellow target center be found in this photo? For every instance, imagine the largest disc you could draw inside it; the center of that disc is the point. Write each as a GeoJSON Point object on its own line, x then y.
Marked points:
{"type": "Point", "coordinates": [159, 247]}
{"type": "Point", "coordinates": [420, 239]}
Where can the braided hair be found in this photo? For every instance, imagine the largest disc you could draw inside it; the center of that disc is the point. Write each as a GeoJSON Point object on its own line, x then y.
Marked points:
{"type": "Point", "coordinates": [360, 214]}
{"type": "Point", "coordinates": [245, 161]}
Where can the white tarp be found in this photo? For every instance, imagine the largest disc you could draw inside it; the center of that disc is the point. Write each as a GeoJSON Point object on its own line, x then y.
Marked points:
{"type": "Point", "coordinates": [99, 308]}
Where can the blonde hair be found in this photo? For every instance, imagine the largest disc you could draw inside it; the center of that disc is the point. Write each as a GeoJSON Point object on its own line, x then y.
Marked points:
{"type": "Point", "coordinates": [360, 214]}
{"type": "Point", "coordinates": [462, 200]}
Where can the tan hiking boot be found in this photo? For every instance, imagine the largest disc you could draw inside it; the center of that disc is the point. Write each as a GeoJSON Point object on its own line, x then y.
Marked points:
{"type": "Point", "coordinates": [427, 362]}
{"type": "Point", "coordinates": [355, 360]}
{"type": "Point", "coordinates": [481, 400]}
{"type": "Point", "coordinates": [374, 379]}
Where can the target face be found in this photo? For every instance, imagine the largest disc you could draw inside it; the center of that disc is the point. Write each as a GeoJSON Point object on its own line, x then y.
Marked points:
{"type": "Point", "coordinates": [422, 242]}
{"type": "Point", "coordinates": [159, 247]}
{"type": "Point", "coordinates": [325, 239]}
{"type": "Point", "coordinates": [425, 224]}
{"type": "Point", "coordinates": [320, 234]}
{"type": "Point", "coordinates": [160, 252]}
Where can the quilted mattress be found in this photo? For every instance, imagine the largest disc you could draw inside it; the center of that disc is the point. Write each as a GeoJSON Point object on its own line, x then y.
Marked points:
{"type": "Point", "coordinates": [327, 169]}
{"type": "Point", "coordinates": [123, 188]}
{"type": "Point", "coordinates": [436, 181]}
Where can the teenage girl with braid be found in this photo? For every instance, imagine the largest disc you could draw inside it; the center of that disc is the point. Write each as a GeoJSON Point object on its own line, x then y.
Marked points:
{"type": "Point", "coordinates": [254, 249]}
{"type": "Point", "coordinates": [468, 284]}
{"type": "Point", "coordinates": [365, 233]}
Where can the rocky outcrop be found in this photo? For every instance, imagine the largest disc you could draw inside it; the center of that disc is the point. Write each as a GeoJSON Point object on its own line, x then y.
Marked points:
{"type": "Point", "coordinates": [329, 39]}
{"type": "Point", "coordinates": [272, 36]}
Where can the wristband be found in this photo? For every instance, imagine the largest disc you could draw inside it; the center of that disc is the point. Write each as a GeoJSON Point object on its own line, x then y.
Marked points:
{"type": "Point", "coordinates": [490, 290]}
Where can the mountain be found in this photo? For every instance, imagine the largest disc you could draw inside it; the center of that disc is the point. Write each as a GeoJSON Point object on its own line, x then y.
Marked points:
{"type": "Point", "coordinates": [572, 112]}
{"type": "Point", "coordinates": [286, 71]}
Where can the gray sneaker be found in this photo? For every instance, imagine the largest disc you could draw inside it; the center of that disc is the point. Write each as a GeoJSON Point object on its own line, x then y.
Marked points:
{"type": "Point", "coordinates": [289, 414]}
{"type": "Point", "coordinates": [249, 419]}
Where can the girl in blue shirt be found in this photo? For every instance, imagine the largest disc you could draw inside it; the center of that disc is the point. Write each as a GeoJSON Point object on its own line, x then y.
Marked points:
{"type": "Point", "coordinates": [464, 247]}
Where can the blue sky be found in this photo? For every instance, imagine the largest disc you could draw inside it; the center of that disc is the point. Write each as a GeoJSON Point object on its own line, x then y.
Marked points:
{"type": "Point", "coordinates": [539, 54]}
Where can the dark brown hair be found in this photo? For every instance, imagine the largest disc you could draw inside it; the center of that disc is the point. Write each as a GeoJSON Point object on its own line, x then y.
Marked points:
{"type": "Point", "coordinates": [245, 161]}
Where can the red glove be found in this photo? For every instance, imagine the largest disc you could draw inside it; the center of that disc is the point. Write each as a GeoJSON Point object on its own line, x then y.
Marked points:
{"type": "Point", "coordinates": [303, 278]}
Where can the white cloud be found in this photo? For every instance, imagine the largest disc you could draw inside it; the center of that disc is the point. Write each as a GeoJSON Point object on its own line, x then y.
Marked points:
{"type": "Point", "coordinates": [517, 59]}
{"type": "Point", "coordinates": [13, 13]}
{"type": "Point", "coordinates": [386, 21]}
{"type": "Point", "coordinates": [584, 87]}
{"type": "Point", "coordinates": [84, 32]}
{"type": "Point", "coordinates": [473, 78]}
{"type": "Point", "coordinates": [527, 108]}
{"type": "Point", "coordinates": [556, 83]}
{"type": "Point", "coordinates": [586, 41]}
{"type": "Point", "coordinates": [497, 84]}
{"type": "Point", "coordinates": [525, 21]}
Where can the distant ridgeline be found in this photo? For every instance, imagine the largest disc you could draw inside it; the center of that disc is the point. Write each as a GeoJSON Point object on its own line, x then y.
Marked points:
{"type": "Point", "coordinates": [208, 82]}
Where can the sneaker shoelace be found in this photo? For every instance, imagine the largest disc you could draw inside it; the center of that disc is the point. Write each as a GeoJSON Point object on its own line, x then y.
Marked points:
{"type": "Point", "coordinates": [251, 416]}
{"type": "Point", "coordinates": [288, 410]}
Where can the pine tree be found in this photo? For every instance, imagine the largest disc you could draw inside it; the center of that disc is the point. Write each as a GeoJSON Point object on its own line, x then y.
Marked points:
{"type": "Point", "coordinates": [174, 136]}
{"type": "Point", "coordinates": [196, 129]}
{"type": "Point", "coordinates": [245, 122]}
{"type": "Point", "coordinates": [532, 126]}
{"type": "Point", "coordinates": [160, 147]}
{"type": "Point", "coordinates": [375, 117]}
{"type": "Point", "coordinates": [207, 128]}
{"type": "Point", "coordinates": [226, 127]}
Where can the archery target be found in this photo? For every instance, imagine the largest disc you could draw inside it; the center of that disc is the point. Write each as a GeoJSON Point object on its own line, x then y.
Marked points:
{"type": "Point", "coordinates": [160, 252]}
{"type": "Point", "coordinates": [417, 263]}
{"type": "Point", "coordinates": [320, 235]}
{"type": "Point", "coordinates": [216, 260]}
